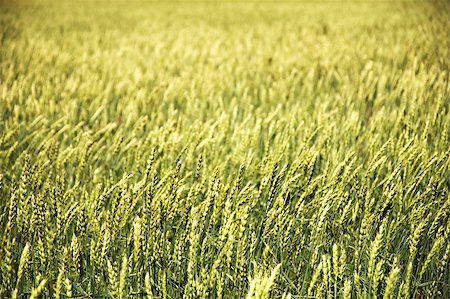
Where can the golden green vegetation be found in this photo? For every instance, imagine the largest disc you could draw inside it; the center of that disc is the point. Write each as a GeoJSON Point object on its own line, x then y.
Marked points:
{"type": "Point", "coordinates": [224, 150]}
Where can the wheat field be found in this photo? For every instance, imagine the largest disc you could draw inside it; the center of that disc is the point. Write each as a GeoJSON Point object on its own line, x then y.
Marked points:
{"type": "Point", "coordinates": [224, 149]}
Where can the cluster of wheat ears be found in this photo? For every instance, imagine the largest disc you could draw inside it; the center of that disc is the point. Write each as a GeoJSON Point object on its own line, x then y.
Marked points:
{"type": "Point", "coordinates": [224, 150]}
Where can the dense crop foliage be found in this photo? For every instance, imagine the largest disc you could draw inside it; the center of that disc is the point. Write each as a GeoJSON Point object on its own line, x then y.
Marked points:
{"type": "Point", "coordinates": [227, 150]}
